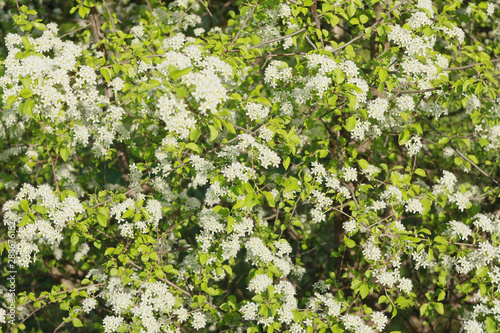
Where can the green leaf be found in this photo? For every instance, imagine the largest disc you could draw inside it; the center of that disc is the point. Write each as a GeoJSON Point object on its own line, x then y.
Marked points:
{"type": "Point", "coordinates": [491, 325]}
{"type": "Point", "coordinates": [239, 204]}
{"type": "Point", "coordinates": [423, 309]}
{"type": "Point", "coordinates": [102, 220]}
{"type": "Point", "coordinates": [177, 73]}
{"type": "Point", "coordinates": [64, 152]}
{"type": "Point", "coordinates": [269, 198]}
{"type": "Point", "coordinates": [39, 26]}
{"type": "Point", "coordinates": [26, 93]}
{"type": "Point", "coordinates": [128, 214]}
{"type": "Point", "coordinates": [439, 308]}
{"type": "Point", "coordinates": [350, 123]}
{"type": "Point", "coordinates": [106, 73]}
{"type": "Point", "coordinates": [195, 134]}
{"type": "Point", "coordinates": [228, 269]}
{"type": "Point", "coordinates": [82, 12]}
{"type": "Point", "coordinates": [229, 127]}
{"type": "Point", "coordinates": [25, 220]}
{"type": "Point", "coordinates": [482, 272]}
{"type": "Point", "coordinates": [364, 290]}
{"type": "Point", "coordinates": [194, 147]}
{"type": "Point", "coordinates": [24, 204]}
{"type": "Point", "coordinates": [264, 101]}
{"type": "Point", "coordinates": [441, 240]}
{"type": "Point", "coordinates": [286, 162]}
{"type": "Point", "coordinates": [351, 9]}
{"type": "Point", "coordinates": [420, 172]}
{"type": "Point", "coordinates": [77, 322]}
{"type": "Point", "coordinates": [109, 251]}
{"type": "Point", "coordinates": [203, 258]}
{"type": "Point", "coordinates": [334, 20]}
{"type": "Point", "coordinates": [40, 209]}
{"type": "Point", "coordinates": [74, 239]}
{"type": "Point", "coordinates": [10, 100]}
{"type": "Point", "coordinates": [349, 242]}
{"type": "Point", "coordinates": [404, 137]}
{"type": "Point", "coordinates": [363, 164]}
{"type": "Point", "coordinates": [28, 107]}
{"type": "Point", "coordinates": [213, 132]}
{"type": "Point", "coordinates": [382, 74]}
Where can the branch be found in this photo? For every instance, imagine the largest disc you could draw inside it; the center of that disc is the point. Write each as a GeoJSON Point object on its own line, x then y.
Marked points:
{"type": "Point", "coordinates": [468, 66]}
{"type": "Point", "coordinates": [241, 28]}
{"type": "Point", "coordinates": [282, 55]}
{"type": "Point", "coordinates": [72, 32]}
{"type": "Point", "coordinates": [462, 155]}
{"type": "Point", "coordinates": [317, 23]}
{"type": "Point", "coordinates": [279, 38]}
{"type": "Point", "coordinates": [372, 26]}
{"type": "Point", "coordinates": [414, 91]}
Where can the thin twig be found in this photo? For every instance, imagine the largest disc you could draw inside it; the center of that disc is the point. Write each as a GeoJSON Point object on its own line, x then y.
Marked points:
{"type": "Point", "coordinates": [54, 171]}
{"type": "Point", "coordinates": [279, 38]}
{"type": "Point", "coordinates": [311, 43]}
{"type": "Point", "coordinates": [149, 6]}
{"type": "Point", "coordinates": [467, 66]}
{"type": "Point", "coordinates": [415, 91]}
{"type": "Point", "coordinates": [72, 32]}
{"type": "Point", "coordinates": [372, 26]}
{"type": "Point", "coordinates": [462, 155]}
{"type": "Point", "coordinates": [282, 55]}
{"type": "Point", "coordinates": [241, 28]}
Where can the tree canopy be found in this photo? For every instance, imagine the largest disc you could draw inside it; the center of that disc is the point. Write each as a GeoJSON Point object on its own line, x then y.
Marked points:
{"type": "Point", "coordinates": [250, 166]}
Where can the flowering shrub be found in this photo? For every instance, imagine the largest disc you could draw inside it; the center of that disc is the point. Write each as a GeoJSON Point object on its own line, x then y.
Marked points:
{"type": "Point", "coordinates": [290, 166]}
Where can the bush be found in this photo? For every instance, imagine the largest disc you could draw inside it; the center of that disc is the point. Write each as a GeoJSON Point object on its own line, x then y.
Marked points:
{"type": "Point", "coordinates": [290, 166]}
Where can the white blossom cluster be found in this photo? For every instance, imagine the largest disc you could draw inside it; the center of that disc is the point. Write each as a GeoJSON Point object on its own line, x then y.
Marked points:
{"type": "Point", "coordinates": [277, 71]}
{"type": "Point", "coordinates": [446, 186]}
{"type": "Point", "coordinates": [51, 213]}
{"type": "Point", "coordinates": [152, 213]}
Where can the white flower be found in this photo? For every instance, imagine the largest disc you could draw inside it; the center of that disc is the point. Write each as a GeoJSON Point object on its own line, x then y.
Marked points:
{"type": "Point", "coordinates": [414, 206]}
{"type": "Point", "coordinates": [461, 199]}
{"type": "Point", "coordinates": [371, 251]}
{"type": "Point", "coordinates": [138, 31]}
{"type": "Point", "coordinates": [350, 174]}
{"type": "Point", "coordinates": [260, 283]}
{"type": "Point", "coordinates": [88, 304]}
{"type": "Point", "coordinates": [111, 323]}
{"type": "Point", "coordinates": [199, 320]}
{"type": "Point", "coordinates": [284, 10]}
{"type": "Point", "coordinates": [414, 145]}
{"type": "Point", "coordinates": [472, 326]}
{"type": "Point", "coordinates": [249, 311]}
{"type": "Point", "coordinates": [182, 314]}
{"type": "Point", "coordinates": [380, 320]}
{"type": "Point", "coordinates": [490, 9]}
{"type": "Point", "coordinates": [256, 111]}
{"type": "Point", "coordinates": [350, 226]}
{"type": "Point", "coordinates": [419, 19]}
{"type": "Point", "coordinates": [459, 229]}
{"type": "Point", "coordinates": [405, 102]}
{"type": "Point", "coordinates": [360, 129]}
{"type": "Point", "coordinates": [386, 278]}
{"type": "Point", "coordinates": [198, 31]}
{"type": "Point", "coordinates": [377, 108]}
{"type": "Point", "coordinates": [378, 205]}
{"type": "Point", "coordinates": [405, 285]}
{"type": "Point", "coordinates": [117, 84]}
{"type": "Point", "coordinates": [266, 134]}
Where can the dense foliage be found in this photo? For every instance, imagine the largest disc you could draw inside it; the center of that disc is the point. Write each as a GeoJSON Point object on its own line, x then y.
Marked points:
{"type": "Point", "coordinates": [250, 166]}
